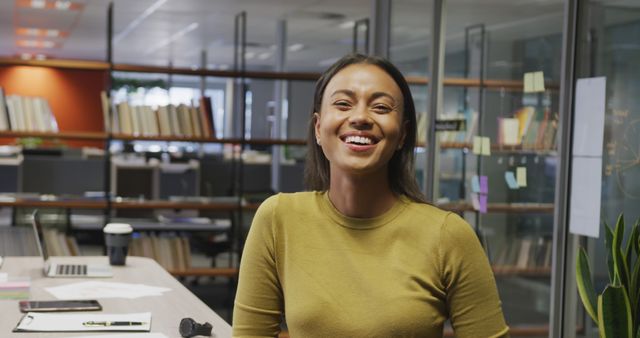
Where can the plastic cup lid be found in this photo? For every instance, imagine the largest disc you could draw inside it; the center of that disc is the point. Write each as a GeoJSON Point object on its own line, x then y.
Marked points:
{"type": "Point", "coordinates": [118, 228]}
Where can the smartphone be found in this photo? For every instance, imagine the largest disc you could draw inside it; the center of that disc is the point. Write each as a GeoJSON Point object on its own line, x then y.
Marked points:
{"type": "Point", "coordinates": [59, 305]}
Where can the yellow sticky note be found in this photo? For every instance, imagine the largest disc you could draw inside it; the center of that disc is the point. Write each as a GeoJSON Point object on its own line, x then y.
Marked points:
{"type": "Point", "coordinates": [528, 82]}
{"type": "Point", "coordinates": [477, 145]}
{"type": "Point", "coordinates": [521, 176]}
{"type": "Point", "coordinates": [538, 82]}
{"type": "Point", "coordinates": [486, 146]}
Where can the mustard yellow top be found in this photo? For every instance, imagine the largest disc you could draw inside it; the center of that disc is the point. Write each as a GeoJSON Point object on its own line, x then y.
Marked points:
{"type": "Point", "coordinates": [401, 274]}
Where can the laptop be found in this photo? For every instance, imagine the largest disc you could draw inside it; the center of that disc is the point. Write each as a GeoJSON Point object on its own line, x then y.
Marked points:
{"type": "Point", "coordinates": [65, 270]}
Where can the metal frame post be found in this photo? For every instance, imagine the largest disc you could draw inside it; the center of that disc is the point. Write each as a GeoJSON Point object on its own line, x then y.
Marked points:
{"type": "Point", "coordinates": [278, 97]}
{"type": "Point", "coordinates": [379, 34]}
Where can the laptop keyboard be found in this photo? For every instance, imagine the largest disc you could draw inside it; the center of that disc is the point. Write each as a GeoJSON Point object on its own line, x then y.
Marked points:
{"type": "Point", "coordinates": [71, 269]}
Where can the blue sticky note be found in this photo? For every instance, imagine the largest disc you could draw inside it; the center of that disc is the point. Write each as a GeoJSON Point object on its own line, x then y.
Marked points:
{"type": "Point", "coordinates": [511, 180]}
{"type": "Point", "coordinates": [483, 203]}
{"type": "Point", "coordinates": [484, 184]}
{"type": "Point", "coordinates": [475, 184]}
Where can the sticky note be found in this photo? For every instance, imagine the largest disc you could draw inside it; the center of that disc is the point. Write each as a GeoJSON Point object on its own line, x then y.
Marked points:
{"type": "Point", "coordinates": [538, 82]}
{"type": "Point", "coordinates": [483, 203]}
{"type": "Point", "coordinates": [477, 145]}
{"type": "Point", "coordinates": [484, 184]}
{"type": "Point", "coordinates": [511, 180]}
{"type": "Point", "coordinates": [475, 184]}
{"type": "Point", "coordinates": [528, 82]}
{"type": "Point", "coordinates": [486, 146]}
{"type": "Point", "coordinates": [521, 176]}
{"type": "Point", "coordinates": [475, 202]}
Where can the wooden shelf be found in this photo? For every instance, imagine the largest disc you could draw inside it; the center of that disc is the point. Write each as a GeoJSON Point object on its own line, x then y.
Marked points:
{"type": "Point", "coordinates": [68, 204]}
{"type": "Point", "coordinates": [98, 136]}
{"type": "Point", "coordinates": [525, 272]}
{"type": "Point", "coordinates": [511, 85]}
{"type": "Point", "coordinates": [205, 272]}
{"type": "Point", "coordinates": [157, 204]}
{"type": "Point", "coordinates": [524, 208]}
{"type": "Point", "coordinates": [126, 137]}
{"type": "Point", "coordinates": [57, 63]}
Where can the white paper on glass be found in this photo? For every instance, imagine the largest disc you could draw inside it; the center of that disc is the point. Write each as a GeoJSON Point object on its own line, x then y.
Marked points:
{"type": "Point", "coordinates": [588, 132]}
{"type": "Point", "coordinates": [586, 186]}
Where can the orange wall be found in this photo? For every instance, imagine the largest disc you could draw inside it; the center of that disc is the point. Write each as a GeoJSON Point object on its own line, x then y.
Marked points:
{"type": "Point", "coordinates": [74, 95]}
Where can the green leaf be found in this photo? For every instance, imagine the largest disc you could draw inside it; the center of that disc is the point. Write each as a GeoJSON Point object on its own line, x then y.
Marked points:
{"type": "Point", "coordinates": [614, 313]}
{"type": "Point", "coordinates": [608, 240]}
{"type": "Point", "coordinates": [620, 268]}
{"type": "Point", "coordinates": [634, 293]}
{"type": "Point", "coordinates": [585, 285]}
{"type": "Point", "coordinates": [633, 239]}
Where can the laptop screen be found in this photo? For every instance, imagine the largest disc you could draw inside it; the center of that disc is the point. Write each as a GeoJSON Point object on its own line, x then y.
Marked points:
{"type": "Point", "coordinates": [37, 229]}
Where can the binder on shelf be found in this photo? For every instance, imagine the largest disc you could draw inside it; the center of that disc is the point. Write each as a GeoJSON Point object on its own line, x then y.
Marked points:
{"type": "Point", "coordinates": [4, 117]}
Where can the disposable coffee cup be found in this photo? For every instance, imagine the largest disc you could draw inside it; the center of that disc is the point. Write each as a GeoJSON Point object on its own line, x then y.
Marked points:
{"type": "Point", "coordinates": [117, 237]}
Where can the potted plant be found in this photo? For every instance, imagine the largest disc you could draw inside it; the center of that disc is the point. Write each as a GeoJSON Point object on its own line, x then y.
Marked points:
{"type": "Point", "coordinates": [616, 310]}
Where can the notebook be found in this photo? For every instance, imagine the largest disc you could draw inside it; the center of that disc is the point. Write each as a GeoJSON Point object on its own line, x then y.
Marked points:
{"type": "Point", "coordinates": [65, 270]}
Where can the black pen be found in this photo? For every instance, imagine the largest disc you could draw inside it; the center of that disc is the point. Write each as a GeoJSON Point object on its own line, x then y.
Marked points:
{"type": "Point", "coordinates": [106, 323]}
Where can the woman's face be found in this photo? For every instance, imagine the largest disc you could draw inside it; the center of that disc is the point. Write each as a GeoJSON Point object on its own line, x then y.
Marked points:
{"type": "Point", "coordinates": [360, 122]}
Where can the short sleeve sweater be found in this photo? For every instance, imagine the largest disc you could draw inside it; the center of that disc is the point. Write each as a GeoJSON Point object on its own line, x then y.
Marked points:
{"type": "Point", "coordinates": [401, 274]}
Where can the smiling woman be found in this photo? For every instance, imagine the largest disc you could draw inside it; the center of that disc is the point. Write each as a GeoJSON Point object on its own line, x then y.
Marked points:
{"type": "Point", "coordinates": [362, 255]}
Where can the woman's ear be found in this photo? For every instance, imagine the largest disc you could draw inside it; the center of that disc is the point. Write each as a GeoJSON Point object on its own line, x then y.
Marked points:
{"type": "Point", "coordinates": [316, 125]}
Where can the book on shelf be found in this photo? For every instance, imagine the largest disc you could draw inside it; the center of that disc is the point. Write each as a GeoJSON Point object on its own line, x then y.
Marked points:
{"type": "Point", "coordinates": [206, 117]}
{"type": "Point", "coordinates": [525, 253]}
{"type": "Point", "coordinates": [106, 111]}
{"type": "Point", "coordinates": [25, 113]}
{"type": "Point", "coordinates": [4, 117]}
{"type": "Point", "coordinates": [171, 251]}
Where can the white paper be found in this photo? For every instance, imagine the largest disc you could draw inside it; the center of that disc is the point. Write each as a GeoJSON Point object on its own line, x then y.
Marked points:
{"type": "Point", "coordinates": [55, 322]}
{"type": "Point", "coordinates": [126, 335]}
{"type": "Point", "coordinates": [4, 276]}
{"type": "Point", "coordinates": [589, 111]}
{"type": "Point", "coordinates": [98, 290]}
{"type": "Point", "coordinates": [586, 186]}
{"type": "Point", "coordinates": [510, 129]}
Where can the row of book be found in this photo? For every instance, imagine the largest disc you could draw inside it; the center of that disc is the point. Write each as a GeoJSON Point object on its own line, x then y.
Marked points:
{"type": "Point", "coordinates": [59, 244]}
{"type": "Point", "coordinates": [529, 128]}
{"type": "Point", "coordinates": [525, 253]}
{"type": "Point", "coordinates": [171, 251]}
{"type": "Point", "coordinates": [171, 120]}
{"type": "Point", "coordinates": [26, 113]}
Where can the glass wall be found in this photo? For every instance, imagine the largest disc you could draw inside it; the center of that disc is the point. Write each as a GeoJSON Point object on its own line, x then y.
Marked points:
{"type": "Point", "coordinates": [502, 66]}
{"type": "Point", "coordinates": [609, 47]}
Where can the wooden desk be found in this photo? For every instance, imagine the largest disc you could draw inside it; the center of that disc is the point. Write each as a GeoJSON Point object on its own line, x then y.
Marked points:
{"type": "Point", "coordinates": [166, 310]}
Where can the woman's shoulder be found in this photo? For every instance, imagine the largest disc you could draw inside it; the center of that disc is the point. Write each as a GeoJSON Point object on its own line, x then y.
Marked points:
{"type": "Point", "coordinates": [427, 211]}
{"type": "Point", "coordinates": [290, 201]}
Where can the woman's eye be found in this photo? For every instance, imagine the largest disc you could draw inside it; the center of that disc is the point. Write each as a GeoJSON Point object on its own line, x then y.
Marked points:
{"type": "Point", "coordinates": [381, 108]}
{"type": "Point", "coordinates": [342, 104]}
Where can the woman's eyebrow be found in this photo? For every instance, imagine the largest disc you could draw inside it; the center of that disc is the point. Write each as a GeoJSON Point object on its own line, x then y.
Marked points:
{"type": "Point", "coordinates": [374, 96]}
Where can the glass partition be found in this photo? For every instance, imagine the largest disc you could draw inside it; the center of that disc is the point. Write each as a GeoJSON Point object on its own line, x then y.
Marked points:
{"type": "Point", "coordinates": [609, 47]}
{"type": "Point", "coordinates": [502, 66]}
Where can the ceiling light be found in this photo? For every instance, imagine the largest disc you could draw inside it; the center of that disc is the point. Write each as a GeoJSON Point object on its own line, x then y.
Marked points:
{"type": "Point", "coordinates": [347, 24]}
{"type": "Point", "coordinates": [48, 44]}
{"type": "Point", "coordinates": [52, 32]}
{"type": "Point", "coordinates": [41, 57]}
{"type": "Point", "coordinates": [37, 44]}
{"type": "Point", "coordinates": [138, 20]}
{"type": "Point", "coordinates": [327, 62]}
{"type": "Point", "coordinates": [264, 56]}
{"type": "Point", "coordinates": [38, 3]}
{"type": "Point", "coordinates": [63, 5]}
{"type": "Point", "coordinates": [249, 55]}
{"type": "Point", "coordinates": [296, 47]}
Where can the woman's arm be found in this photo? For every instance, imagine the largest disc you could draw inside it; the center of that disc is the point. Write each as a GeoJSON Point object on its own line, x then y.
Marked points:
{"type": "Point", "coordinates": [472, 296]}
{"type": "Point", "coordinates": [259, 302]}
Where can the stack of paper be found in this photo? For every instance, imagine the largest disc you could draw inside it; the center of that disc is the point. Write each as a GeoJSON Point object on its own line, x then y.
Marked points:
{"type": "Point", "coordinates": [14, 288]}
{"type": "Point", "coordinates": [96, 290]}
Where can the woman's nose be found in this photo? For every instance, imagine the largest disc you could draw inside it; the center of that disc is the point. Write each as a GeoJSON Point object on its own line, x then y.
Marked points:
{"type": "Point", "coordinates": [360, 118]}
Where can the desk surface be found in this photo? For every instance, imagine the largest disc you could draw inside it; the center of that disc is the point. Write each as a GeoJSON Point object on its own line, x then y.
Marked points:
{"type": "Point", "coordinates": [167, 310]}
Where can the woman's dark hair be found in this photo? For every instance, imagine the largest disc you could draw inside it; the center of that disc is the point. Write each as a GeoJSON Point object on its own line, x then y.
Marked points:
{"type": "Point", "coordinates": [401, 170]}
